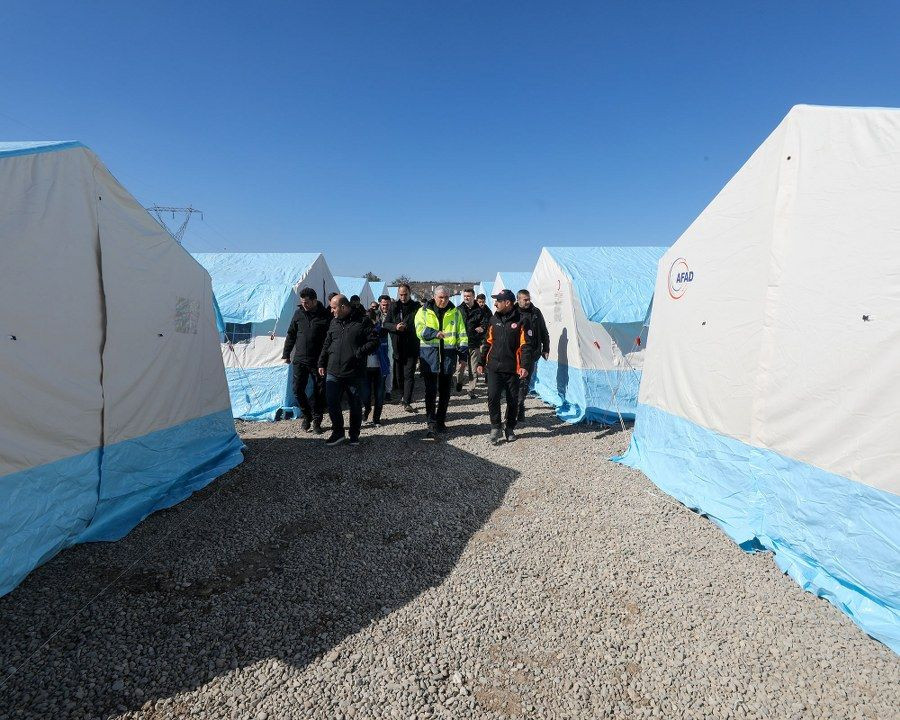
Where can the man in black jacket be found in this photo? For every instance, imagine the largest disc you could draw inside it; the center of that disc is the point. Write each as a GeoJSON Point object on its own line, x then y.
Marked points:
{"type": "Point", "coordinates": [477, 316]}
{"type": "Point", "coordinates": [351, 337]}
{"type": "Point", "coordinates": [540, 343]}
{"type": "Point", "coordinates": [305, 337]}
{"type": "Point", "coordinates": [400, 323]}
{"type": "Point", "coordinates": [505, 353]}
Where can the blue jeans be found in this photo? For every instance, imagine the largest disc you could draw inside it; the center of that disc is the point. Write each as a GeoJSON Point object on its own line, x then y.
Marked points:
{"type": "Point", "coordinates": [373, 385]}
{"type": "Point", "coordinates": [335, 388]}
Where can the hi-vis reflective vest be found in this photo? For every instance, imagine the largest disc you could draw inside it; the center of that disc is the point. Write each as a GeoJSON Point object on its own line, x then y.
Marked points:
{"type": "Point", "coordinates": [455, 338]}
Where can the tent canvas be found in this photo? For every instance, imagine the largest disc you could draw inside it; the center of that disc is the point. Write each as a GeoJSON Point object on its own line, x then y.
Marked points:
{"type": "Point", "coordinates": [595, 301]}
{"type": "Point", "coordinates": [351, 286]}
{"type": "Point", "coordinates": [392, 291]}
{"type": "Point", "coordinates": [257, 294]}
{"type": "Point", "coordinates": [140, 418]}
{"type": "Point", "coordinates": [770, 399]}
{"type": "Point", "coordinates": [487, 288]}
{"type": "Point", "coordinates": [514, 281]}
{"type": "Point", "coordinates": [378, 288]}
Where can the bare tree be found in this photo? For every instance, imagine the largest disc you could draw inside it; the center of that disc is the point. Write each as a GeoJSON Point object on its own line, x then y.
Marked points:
{"type": "Point", "coordinates": [400, 279]}
{"type": "Point", "coordinates": [372, 277]}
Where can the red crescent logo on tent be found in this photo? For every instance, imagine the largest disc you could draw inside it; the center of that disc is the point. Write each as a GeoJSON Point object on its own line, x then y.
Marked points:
{"type": "Point", "coordinates": [679, 276]}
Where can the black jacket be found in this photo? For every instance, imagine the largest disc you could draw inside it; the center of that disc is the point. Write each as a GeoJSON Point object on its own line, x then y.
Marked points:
{"type": "Point", "coordinates": [476, 317]}
{"type": "Point", "coordinates": [541, 335]}
{"type": "Point", "coordinates": [508, 344]}
{"type": "Point", "coordinates": [348, 342]}
{"type": "Point", "coordinates": [406, 343]}
{"type": "Point", "coordinates": [306, 335]}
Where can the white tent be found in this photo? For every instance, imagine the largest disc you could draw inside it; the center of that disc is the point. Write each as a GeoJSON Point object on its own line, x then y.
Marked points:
{"type": "Point", "coordinates": [257, 294]}
{"type": "Point", "coordinates": [392, 291]}
{"type": "Point", "coordinates": [514, 281]}
{"type": "Point", "coordinates": [770, 399]}
{"type": "Point", "coordinates": [114, 402]}
{"type": "Point", "coordinates": [378, 288]}
{"type": "Point", "coordinates": [351, 286]}
{"type": "Point", "coordinates": [595, 301]}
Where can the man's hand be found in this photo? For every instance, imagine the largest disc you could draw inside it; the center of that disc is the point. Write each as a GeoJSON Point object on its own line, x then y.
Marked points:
{"type": "Point", "coordinates": [441, 335]}
{"type": "Point", "coordinates": [479, 369]}
{"type": "Point", "coordinates": [322, 372]}
{"type": "Point", "coordinates": [523, 373]}
{"type": "Point", "coordinates": [401, 326]}
{"type": "Point", "coordinates": [479, 329]}
{"type": "Point", "coordinates": [546, 356]}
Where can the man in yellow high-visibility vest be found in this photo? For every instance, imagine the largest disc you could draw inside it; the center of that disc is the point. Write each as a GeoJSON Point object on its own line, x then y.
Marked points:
{"type": "Point", "coordinates": [443, 347]}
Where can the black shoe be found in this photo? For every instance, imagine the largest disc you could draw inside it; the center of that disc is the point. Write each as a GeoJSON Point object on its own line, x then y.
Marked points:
{"type": "Point", "coordinates": [458, 387]}
{"type": "Point", "coordinates": [317, 426]}
{"type": "Point", "coordinates": [496, 436]}
{"type": "Point", "coordinates": [387, 397]}
{"type": "Point", "coordinates": [279, 413]}
{"type": "Point", "coordinates": [376, 424]}
{"type": "Point", "coordinates": [510, 436]}
{"type": "Point", "coordinates": [441, 428]}
{"type": "Point", "coordinates": [471, 394]}
{"type": "Point", "coordinates": [335, 439]}
{"type": "Point", "coordinates": [354, 441]}
{"type": "Point", "coordinates": [409, 408]}
{"type": "Point", "coordinates": [306, 424]}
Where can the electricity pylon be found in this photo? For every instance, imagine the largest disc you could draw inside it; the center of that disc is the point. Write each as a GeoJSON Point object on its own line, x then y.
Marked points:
{"type": "Point", "coordinates": [158, 210]}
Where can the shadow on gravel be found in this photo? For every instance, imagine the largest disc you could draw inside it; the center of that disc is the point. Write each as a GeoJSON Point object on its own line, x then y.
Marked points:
{"type": "Point", "coordinates": [283, 558]}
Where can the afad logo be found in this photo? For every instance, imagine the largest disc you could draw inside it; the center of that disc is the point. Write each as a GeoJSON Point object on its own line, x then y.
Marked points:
{"type": "Point", "coordinates": [679, 277]}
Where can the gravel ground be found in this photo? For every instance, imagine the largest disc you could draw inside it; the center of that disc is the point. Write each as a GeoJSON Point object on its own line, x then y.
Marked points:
{"type": "Point", "coordinates": [409, 579]}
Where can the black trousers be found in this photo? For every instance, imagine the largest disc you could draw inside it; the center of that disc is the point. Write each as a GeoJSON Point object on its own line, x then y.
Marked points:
{"type": "Point", "coordinates": [524, 387]}
{"type": "Point", "coordinates": [437, 395]}
{"type": "Point", "coordinates": [405, 376]}
{"type": "Point", "coordinates": [336, 389]}
{"type": "Point", "coordinates": [498, 384]}
{"type": "Point", "coordinates": [316, 409]}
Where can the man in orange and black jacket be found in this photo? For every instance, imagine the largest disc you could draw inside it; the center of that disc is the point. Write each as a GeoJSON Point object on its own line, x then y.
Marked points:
{"type": "Point", "coordinates": [506, 351]}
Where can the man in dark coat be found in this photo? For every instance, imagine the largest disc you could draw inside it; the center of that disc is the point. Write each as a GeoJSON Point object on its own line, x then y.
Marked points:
{"type": "Point", "coordinates": [351, 338]}
{"type": "Point", "coordinates": [400, 323]}
{"type": "Point", "coordinates": [540, 344]}
{"type": "Point", "coordinates": [304, 340]}
{"type": "Point", "coordinates": [505, 353]}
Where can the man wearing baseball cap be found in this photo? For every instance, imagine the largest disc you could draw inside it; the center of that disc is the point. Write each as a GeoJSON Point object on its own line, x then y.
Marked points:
{"type": "Point", "coordinates": [506, 351]}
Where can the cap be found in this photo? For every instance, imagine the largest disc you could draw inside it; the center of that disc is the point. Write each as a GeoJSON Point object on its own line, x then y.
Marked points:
{"type": "Point", "coordinates": [505, 295]}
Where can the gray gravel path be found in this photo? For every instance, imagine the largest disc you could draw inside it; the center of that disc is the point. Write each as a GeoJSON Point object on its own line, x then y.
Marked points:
{"type": "Point", "coordinates": [409, 579]}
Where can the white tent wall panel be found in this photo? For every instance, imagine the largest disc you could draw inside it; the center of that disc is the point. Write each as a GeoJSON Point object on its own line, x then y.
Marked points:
{"type": "Point", "coordinates": [52, 400]}
{"type": "Point", "coordinates": [719, 315]}
{"type": "Point", "coordinates": [160, 362]}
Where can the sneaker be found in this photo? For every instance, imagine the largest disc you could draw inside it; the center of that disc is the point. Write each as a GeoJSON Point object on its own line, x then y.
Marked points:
{"type": "Point", "coordinates": [408, 408]}
{"type": "Point", "coordinates": [306, 425]}
{"type": "Point", "coordinates": [510, 436]}
{"type": "Point", "coordinates": [354, 441]}
{"type": "Point", "coordinates": [496, 436]}
{"type": "Point", "coordinates": [335, 439]}
{"type": "Point", "coordinates": [317, 426]}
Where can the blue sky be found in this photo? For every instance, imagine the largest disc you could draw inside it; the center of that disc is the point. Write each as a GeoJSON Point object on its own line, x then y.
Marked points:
{"type": "Point", "coordinates": [444, 140]}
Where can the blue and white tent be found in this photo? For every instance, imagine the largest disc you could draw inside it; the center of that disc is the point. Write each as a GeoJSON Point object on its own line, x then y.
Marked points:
{"type": "Point", "coordinates": [257, 294]}
{"type": "Point", "coordinates": [116, 406]}
{"type": "Point", "coordinates": [378, 288]}
{"type": "Point", "coordinates": [486, 287]}
{"type": "Point", "coordinates": [351, 286]}
{"type": "Point", "coordinates": [595, 301]}
{"type": "Point", "coordinates": [770, 400]}
{"type": "Point", "coordinates": [392, 291]}
{"type": "Point", "coordinates": [514, 281]}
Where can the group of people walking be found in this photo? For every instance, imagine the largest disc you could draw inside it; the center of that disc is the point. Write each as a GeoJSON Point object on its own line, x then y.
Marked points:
{"type": "Point", "coordinates": [344, 349]}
